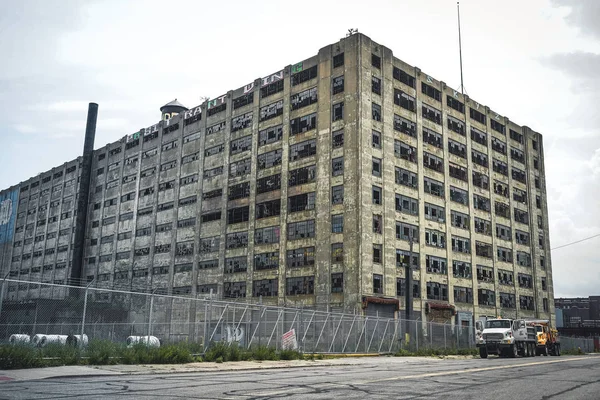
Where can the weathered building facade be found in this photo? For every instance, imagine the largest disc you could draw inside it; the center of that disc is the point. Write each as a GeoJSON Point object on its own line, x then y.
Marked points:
{"type": "Point", "coordinates": [303, 188]}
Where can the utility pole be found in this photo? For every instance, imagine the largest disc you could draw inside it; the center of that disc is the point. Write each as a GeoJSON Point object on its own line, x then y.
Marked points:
{"type": "Point", "coordinates": [408, 289]}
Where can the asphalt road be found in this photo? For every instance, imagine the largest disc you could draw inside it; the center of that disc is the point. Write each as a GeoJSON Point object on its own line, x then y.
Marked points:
{"type": "Point", "coordinates": [574, 377]}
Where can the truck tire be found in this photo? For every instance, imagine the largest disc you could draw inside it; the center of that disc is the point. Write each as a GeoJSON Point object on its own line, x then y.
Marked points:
{"type": "Point", "coordinates": [545, 351]}
{"type": "Point", "coordinates": [531, 350]}
{"type": "Point", "coordinates": [557, 349]}
{"type": "Point", "coordinates": [514, 351]}
{"type": "Point", "coordinates": [483, 353]}
{"type": "Point", "coordinates": [526, 350]}
{"type": "Point", "coordinates": [534, 347]}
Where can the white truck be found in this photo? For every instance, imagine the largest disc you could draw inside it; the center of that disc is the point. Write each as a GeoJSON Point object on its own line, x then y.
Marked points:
{"type": "Point", "coordinates": [505, 337]}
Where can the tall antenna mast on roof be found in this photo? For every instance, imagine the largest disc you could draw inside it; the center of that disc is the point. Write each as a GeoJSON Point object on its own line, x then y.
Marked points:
{"type": "Point", "coordinates": [462, 87]}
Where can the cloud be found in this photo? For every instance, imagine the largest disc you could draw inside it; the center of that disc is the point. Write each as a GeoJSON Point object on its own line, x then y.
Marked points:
{"type": "Point", "coordinates": [24, 128]}
{"type": "Point", "coordinates": [584, 14]}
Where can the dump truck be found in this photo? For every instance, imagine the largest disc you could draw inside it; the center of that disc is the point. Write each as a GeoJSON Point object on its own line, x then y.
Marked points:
{"type": "Point", "coordinates": [548, 342]}
{"type": "Point", "coordinates": [505, 337]}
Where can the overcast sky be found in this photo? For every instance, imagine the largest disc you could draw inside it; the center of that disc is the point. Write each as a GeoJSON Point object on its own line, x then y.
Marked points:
{"type": "Point", "coordinates": [535, 61]}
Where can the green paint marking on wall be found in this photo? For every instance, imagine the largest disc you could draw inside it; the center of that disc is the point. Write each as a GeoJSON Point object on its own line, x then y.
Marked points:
{"type": "Point", "coordinates": [297, 68]}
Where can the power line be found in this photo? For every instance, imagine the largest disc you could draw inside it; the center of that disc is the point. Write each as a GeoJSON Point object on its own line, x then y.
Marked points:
{"type": "Point", "coordinates": [578, 241]}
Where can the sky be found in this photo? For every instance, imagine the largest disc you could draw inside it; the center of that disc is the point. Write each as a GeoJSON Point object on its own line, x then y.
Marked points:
{"type": "Point", "coordinates": [535, 61]}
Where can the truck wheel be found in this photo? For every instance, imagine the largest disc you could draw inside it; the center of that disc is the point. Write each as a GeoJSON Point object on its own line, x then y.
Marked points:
{"type": "Point", "coordinates": [545, 351]}
{"type": "Point", "coordinates": [526, 350]}
{"type": "Point", "coordinates": [514, 351]}
{"type": "Point", "coordinates": [534, 347]}
{"type": "Point", "coordinates": [531, 350]}
{"type": "Point", "coordinates": [483, 352]}
{"type": "Point", "coordinates": [557, 350]}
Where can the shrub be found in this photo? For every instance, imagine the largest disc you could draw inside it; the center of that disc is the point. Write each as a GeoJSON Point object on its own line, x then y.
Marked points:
{"type": "Point", "coordinates": [216, 350]}
{"type": "Point", "coordinates": [58, 354]}
{"type": "Point", "coordinates": [290, 355]}
{"type": "Point", "coordinates": [262, 353]}
{"type": "Point", "coordinates": [102, 352]}
{"type": "Point", "coordinates": [19, 356]}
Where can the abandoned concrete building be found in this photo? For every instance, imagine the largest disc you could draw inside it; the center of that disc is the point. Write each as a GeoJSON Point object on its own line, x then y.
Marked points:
{"type": "Point", "coordinates": [302, 188]}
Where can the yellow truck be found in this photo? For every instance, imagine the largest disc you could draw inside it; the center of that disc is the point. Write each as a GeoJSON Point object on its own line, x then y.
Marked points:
{"type": "Point", "coordinates": [548, 342]}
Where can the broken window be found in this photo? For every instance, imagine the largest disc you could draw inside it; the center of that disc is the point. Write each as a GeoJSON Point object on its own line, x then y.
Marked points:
{"type": "Point", "coordinates": [432, 114]}
{"type": "Point", "coordinates": [518, 175]}
{"type": "Point", "coordinates": [337, 223]}
{"type": "Point", "coordinates": [301, 202]}
{"type": "Point", "coordinates": [377, 283]}
{"type": "Point", "coordinates": [377, 253]}
{"type": "Point", "coordinates": [302, 175]}
{"type": "Point", "coordinates": [435, 213]}
{"type": "Point", "coordinates": [377, 195]}
{"type": "Point", "coordinates": [337, 166]}
{"type": "Point", "coordinates": [405, 126]}
{"type": "Point", "coordinates": [337, 139]}
{"type": "Point", "coordinates": [268, 209]}
{"type": "Point", "coordinates": [498, 145]}
{"type": "Point", "coordinates": [504, 254]}
{"type": "Point", "coordinates": [267, 235]}
{"type": "Point", "coordinates": [303, 149]}
{"type": "Point", "coordinates": [486, 297]}
{"type": "Point", "coordinates": [433, 138]}
{"type": "Point", "coordinates": [270, 135]}
{"type": "Point", "coordinates": [337, 282]}
{"type": "Point", "coordinates": [304, 75]}
{"type": "Point", "coordinates": [455, 104]}
{"type": "Point", "coordinates": [304, 123]}
{"type": "Point", "coordinates": [502, 209]}
{"type": "Point", "coordinates": [485, 274]}
{"type": "Point", "coordinates": [236, 240]}
{"type": "Point", "coordinates": [376, 166]}
{"type": "Point", "coordinates": [269, 159]}
{"type": "Point", "coordinates": [265, 287]}
{"type": "Point", "coordinates": [404, 231]}
{"type": "Point", "coordinates": [458, 172]}
{"type": "Point", "coordinates": [240, 145]}
{"type": "Point", "coordinates": [405, 151]}
{"type": "Point", "coordinates": [461, 244]}
{"type": "Point", "coordinates": [338, 60]}
{"type": "Point", "coordinates": [477, 116]}
{"type": "Point", "coordinates": [437, 291]}
{"type": "Point", "coordinates": [456, 125]}
{"type": "Point", "coordinates": [234, 265]}
{"type": "Point", "coordinates": [243, 100]}
{"type": "Point", "coordinates": [403, 77]}
{"type": "Point", "coordinates": [505, 277]}
{"type": "Point", "coordinates": [433, 187]}
{"type": "Point", "coordinates": [523, 259]}
{"type": "Point", "coordinates": [431, 91]}
{"type": "Point", "coordinates": [463, 294]}
{"type": "Point", "coordinates": [406, 177]}
{"type": "Point", "coordinates": [407, 205]}
{"type": "Point", "coordinates": [376, 85]}
{"type": "Point", "coordinates": [376, 111]}
{"type": "Point", "coordinates": [483, 249]}
{"type": "Point", "coordinates": [478, 136]}
{"type": "Point", "coordinates": [240, 168]}
{"type": "Point", "coordinates": [481, 180]}
{"type": "Point", "coordinates": [337, 253]}
{"type": "Point", "coordinates": [303, 257]}
{"type": "Point", "coordinates": [238, 214]}
{"type": "Point", "coordinates": [435, 238]}
{"type": "Point", "coordinates": [338, 84]}
{"type": "Point", "coordinates": [268, 183]}
{"type": "Point", "coordinates": [483, 226]}
{"type": "Point", "coordinates": [526, 303]}
{"type": "Point", "coordinates": [459, 220]}
{"type": "Point", "coordinates": [521, 216]}
{"type": "Point", "coordinates": [301, 285]}
{"type": "Point", "coordinates": [522, 237]}
{"type": "Point", "coordinates": [239, 191]}
{"type": "Point", "coordinates": [497, 126]}
{"type": "Point", "coordinates": [301, 230]}
{"type": "Point", "coordinates": [377, 223]}
{"type": "Point", "coordinates": [271, 89]}
{"type": "Point", "coordinates": [459, 195]}
{"type": "Point", "coordinates": [337, 194]}
{"type": "Point", "coordinates": [303, 99]}
{"type": "Point", "coordinates": [271, 111]}
{"type": "Point", "coordinates": [503, 232]}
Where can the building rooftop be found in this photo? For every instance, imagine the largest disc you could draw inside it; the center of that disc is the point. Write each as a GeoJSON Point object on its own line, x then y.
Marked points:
{"type": "Point", "coordinates": [173, 103]}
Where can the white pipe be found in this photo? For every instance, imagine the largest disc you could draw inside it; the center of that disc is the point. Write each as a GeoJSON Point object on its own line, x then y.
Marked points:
{"type": "Point", "coordinates": [150, 341]}
{"type": "Point", "coordinates": [19, 339]}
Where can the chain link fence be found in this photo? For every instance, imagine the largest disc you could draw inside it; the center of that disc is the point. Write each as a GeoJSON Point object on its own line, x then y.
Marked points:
{"type": "Point", "coordinates": [127, 317]}
{"type": "Point", "coordinates": [586, 345]}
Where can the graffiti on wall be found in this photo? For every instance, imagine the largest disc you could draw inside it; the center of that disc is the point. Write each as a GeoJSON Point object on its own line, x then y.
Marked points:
{"type": "Point", "coordinates": [8, 212]}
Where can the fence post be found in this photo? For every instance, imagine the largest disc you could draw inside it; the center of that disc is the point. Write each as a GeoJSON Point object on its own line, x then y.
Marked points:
{"type": "Point", "coordinates": [150, 316]}
{"type": "Point", "coordinates": [2, 291]}
{"type": "Point", "coordinates": [85, 309]}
